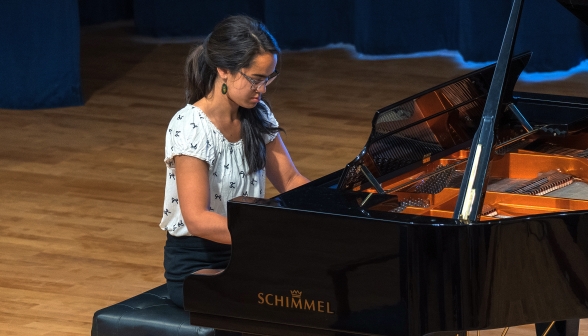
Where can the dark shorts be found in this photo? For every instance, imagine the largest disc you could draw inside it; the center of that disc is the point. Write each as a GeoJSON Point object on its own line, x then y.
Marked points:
{"type": "Point", "coordinates": [185, 255]}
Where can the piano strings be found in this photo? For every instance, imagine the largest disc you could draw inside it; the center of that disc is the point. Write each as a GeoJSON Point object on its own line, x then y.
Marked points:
{"type": "Point", "coordinates": [415, 189]}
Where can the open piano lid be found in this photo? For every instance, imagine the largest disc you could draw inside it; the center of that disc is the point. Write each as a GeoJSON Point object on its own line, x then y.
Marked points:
{"type": "Point", "coordinates": [414, 130]}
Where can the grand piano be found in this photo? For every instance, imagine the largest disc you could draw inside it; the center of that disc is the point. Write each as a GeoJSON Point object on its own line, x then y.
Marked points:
{"type": "Point", "coordinates": [404, 240]}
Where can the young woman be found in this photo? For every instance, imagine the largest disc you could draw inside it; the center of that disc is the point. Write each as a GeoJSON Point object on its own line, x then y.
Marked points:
{"type": "Point", "coordinates": [219, 146]}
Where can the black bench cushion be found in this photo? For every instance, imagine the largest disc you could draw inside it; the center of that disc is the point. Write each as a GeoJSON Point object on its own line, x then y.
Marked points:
{"type": "Point", "coordinates": [148, 314]}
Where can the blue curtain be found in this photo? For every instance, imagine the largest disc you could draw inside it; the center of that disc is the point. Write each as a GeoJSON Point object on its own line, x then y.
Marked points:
{"type": "Point", "coordinates": [163, 18]}
{"type": "Point", "coordinates": [387, 27]}
{"type": "Point", "coordinates": [40, 54]}
{"type": "Point", "coordinates": [559, 40]}
{"type": "Point", "coordinates": [40, 39]}
{"type": "Point", "coordinates": [310, 23]}
{"type": "Point", "coordinates": [100, 11]}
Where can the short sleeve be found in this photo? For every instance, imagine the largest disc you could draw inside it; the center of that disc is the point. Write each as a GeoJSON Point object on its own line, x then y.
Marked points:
{"type": "Point", "coordinates": [187, 135]}
{"type": "Point", "coordinates": [269, 118]}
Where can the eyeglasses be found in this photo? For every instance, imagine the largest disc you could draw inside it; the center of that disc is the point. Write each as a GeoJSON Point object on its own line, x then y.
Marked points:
{"type": "Point", "coordinates": [256, 84]}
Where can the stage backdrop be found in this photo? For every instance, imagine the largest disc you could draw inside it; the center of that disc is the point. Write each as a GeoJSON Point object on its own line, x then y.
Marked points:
{"type": "Point", "coordinates": [40, 56]}
{"type": "Point", "coordinates": [387, 27]}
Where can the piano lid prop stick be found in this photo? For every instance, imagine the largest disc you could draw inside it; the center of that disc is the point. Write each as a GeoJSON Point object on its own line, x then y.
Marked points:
{"type": "Point", "coordinates": [471, 191]}
{"type": "Point", "coordinates": [470, 198]}
{"type": "Point", "coordinates": [372, 179]}
{"type": "Point", "coordinates": [520, 117]}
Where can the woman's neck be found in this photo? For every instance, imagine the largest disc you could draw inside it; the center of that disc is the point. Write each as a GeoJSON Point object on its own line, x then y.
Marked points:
{"type": "Point", "coordinates": [224, 116]}
{"type": "Point", "coordinates": [219, 107]}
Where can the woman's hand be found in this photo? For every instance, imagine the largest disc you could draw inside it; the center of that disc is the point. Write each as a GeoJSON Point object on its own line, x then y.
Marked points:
{"type": "Point", "coordinates": [279, 167]}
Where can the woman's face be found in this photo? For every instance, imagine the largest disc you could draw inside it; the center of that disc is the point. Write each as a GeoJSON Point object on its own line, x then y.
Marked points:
{"type": "Point", "coordinates": [246, 86]}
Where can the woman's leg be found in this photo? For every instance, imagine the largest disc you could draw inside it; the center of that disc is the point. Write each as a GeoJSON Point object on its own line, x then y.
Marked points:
{"type": "Point", "coordinates": [185, 255]}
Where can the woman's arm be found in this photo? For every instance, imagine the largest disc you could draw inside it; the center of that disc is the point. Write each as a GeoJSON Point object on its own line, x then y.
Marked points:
{"type": "Point", "coordinates": [280, 169]}
{"type": "Point", "coordinates": [194, 196]}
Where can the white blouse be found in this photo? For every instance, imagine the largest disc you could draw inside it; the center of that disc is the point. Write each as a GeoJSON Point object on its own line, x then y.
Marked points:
{"type": "Point", "coordinates": [191, 133]}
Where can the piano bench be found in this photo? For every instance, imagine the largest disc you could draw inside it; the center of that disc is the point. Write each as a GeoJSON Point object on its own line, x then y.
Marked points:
{"type": "Point", "coordinates": [148, 314]}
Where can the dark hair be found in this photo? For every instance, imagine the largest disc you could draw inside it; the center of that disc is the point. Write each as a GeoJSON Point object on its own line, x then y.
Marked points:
{"type": "Point", "coordinates": [232, 45]}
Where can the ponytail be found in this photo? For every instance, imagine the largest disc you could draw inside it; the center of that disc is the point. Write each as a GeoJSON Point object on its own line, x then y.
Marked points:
{"type": "Point", "coordinates": [200, 76]}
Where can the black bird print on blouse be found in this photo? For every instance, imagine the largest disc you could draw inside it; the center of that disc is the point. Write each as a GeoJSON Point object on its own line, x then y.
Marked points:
{"type": "Point", "coordinates": [176, 226]}
{"type": "Point", "coordinates": [193, 125]}
{"type": "Point", "coordinates": [166, 212]}
{"type": "Point", "coordinates": [172, 176]}
{"type": "Point", "coordinates": [194, 146]}
{"type": "Point", "coordinates": [175, 200]}
{"type": "Point", "coordinates": [178, 134]}
{"type": "Point", "coordinates": [180, 117]}
{"type": "Point", "coordinates": [232, 185]}
{"type": "Point", "coordinates": [218, 197]}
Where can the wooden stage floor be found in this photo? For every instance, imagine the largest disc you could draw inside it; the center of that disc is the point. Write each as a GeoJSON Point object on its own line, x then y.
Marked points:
{"type": "Point", "coordinates": [82, 187]}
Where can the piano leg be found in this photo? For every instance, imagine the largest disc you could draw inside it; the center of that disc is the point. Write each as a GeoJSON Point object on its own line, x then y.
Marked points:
{"type": "Point", "coordinates": [560, 328]}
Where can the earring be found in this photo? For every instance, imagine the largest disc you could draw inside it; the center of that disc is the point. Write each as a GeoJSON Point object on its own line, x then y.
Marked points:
{"type": "Point", "coordinates": [224, 88]}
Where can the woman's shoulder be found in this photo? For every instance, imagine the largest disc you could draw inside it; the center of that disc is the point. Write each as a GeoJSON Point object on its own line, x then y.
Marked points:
{"type": "Point", "coordinates": [189, 116]}
{"type": "Point", "coordinates": [189, 134]}
{"type": "Point", "coordinates": [186, 111]}
{"type": "Point", "coordinates": [188, 126]}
